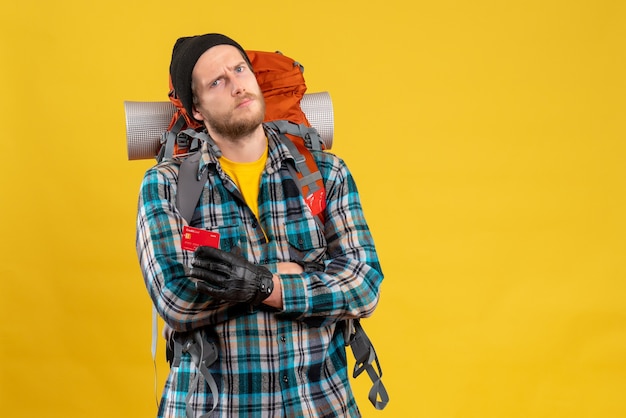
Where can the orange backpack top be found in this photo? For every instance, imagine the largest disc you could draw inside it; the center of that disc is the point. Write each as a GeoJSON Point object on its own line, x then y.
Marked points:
{"type": "Point", "coordinates": [281, 80]}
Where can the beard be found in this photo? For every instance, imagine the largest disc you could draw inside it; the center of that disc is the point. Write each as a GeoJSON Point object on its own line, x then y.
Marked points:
{"type": "Point", "coordinates": [232, 127]}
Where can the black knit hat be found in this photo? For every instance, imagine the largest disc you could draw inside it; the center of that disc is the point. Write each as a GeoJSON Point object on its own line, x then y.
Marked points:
{"type": "Point", "coordinates": [186, 52]}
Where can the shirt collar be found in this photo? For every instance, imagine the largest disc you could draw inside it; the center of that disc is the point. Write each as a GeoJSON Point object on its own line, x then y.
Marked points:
{"type": "Point", "coordinates": [277, 153]}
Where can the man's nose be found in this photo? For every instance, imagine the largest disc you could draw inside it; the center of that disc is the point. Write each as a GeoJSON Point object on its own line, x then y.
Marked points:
{"type": "Point", "coordinates": [237, 86]}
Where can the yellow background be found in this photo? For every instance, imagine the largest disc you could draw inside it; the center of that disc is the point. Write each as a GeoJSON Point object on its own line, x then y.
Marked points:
{"type": "Point", "coordinates": [487, 140]}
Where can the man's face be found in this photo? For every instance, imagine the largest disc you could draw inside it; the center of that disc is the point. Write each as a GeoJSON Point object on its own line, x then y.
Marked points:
{"type": "Point", "coordinates": [227, 96]}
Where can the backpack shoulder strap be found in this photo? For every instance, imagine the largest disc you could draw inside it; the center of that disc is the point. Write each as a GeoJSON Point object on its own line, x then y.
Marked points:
{"type": "Point", "coordinates": [190, 185]}
{"type": "Point", "coordinates": [310, 183]}
{"type": "Point", "coordinates": [307, 176]}
{"type": "Point", "coordinates": [305, 173]}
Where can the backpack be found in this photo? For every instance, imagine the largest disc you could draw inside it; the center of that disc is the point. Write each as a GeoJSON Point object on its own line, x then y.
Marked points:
{"type": "Point", "coordinates": [282, 82]}
{"type": "Point", "coordinates": [283, 86]}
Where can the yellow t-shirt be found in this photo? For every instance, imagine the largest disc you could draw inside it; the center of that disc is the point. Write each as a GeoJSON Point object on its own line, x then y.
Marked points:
{"type": "Point", "coordinates": [247, 177]}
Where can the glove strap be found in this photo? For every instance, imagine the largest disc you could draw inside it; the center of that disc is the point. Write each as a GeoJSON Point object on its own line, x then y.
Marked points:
{"type": "Point", "coordinates": [266, 286]}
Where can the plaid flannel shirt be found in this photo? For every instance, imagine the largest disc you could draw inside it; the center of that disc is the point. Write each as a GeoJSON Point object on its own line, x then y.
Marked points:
{"type": "Point", "coordinates": [287, 363]}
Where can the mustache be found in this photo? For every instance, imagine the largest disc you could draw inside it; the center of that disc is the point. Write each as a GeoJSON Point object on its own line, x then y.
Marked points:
{"type": "Point", "coordinates": [246, 96]}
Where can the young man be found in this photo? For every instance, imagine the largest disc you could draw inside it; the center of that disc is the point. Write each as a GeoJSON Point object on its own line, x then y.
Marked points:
{"type": "Point", "coordinates": [273, 296]}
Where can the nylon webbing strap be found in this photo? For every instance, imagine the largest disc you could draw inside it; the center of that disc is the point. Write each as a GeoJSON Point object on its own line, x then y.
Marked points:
{"type": "Point", "coordinates": [203, 353]}
{"type": "Point", "coordinates": [311, 180]}
{"type": "Point", "coordinates": [168, 140]}
{"type": "Point", "coordinates": [309, 134]}
{"type": "Point", "coordinates": [189, 185]}
{"type": "Point", "coordinates": [365, 356]}
{"type": "Point", "coordinates": [294, 175]}
{"type": "Point", "coordinates": [306, 178]}
{"type": "Point", "coordinates": [153, 349]}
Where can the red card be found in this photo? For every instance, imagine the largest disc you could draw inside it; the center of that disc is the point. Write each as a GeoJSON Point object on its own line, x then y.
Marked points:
{"type": "Point", "coordinates": [196, 237]}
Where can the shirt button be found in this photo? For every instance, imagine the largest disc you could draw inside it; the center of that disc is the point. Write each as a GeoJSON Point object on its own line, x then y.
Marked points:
{"type": "Point", "coordinates": [285, 378]}
{"type": "Point", "coordinates": [253, 224]}
{"type": "Point", "coordinates": [283, 339]}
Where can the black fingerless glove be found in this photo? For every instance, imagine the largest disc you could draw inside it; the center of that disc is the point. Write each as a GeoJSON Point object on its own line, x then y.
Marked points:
{"type": "Point", "coordinates": [230, 277]}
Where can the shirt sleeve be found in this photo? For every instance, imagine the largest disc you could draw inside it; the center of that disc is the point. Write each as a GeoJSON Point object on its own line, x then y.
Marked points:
{"type": "Point", "coordinates": [350, 283]}
{"type": "Point", "coordinates": [163, 262]}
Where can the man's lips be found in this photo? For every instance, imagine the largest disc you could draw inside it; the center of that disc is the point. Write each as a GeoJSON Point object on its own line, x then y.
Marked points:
{"type": "Point", "coordinates": [245, 102]}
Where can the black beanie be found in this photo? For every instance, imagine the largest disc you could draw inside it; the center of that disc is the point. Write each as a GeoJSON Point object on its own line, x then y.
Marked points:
{"type": "Point", "coordinates": [186, 52]}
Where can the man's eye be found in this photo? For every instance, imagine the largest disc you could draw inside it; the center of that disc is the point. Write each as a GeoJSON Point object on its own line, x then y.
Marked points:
{"type": "Point", "coordinates": [240, 68]}
{"type": "Point", "coordinates": [215, 83]}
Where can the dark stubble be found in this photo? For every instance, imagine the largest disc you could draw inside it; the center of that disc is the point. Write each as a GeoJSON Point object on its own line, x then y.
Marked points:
{"type": "Point", "coordinates": [233, 128]}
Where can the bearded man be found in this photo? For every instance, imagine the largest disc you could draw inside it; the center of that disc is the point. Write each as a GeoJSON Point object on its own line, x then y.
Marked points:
{"type": "Point", "coordinates": [271, 299]}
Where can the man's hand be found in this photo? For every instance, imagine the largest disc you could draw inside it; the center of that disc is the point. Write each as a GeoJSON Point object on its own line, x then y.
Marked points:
{"type": "Point", "coordinates": [230, 277]}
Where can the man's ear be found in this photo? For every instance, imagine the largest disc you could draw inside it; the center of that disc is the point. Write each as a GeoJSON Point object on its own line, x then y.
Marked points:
{"type": "Point", "coordinates": [197, 115]}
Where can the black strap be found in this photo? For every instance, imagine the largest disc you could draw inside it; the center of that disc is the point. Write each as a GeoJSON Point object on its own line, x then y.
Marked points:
{"type": "Point", "coordinates": [365, 356]}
